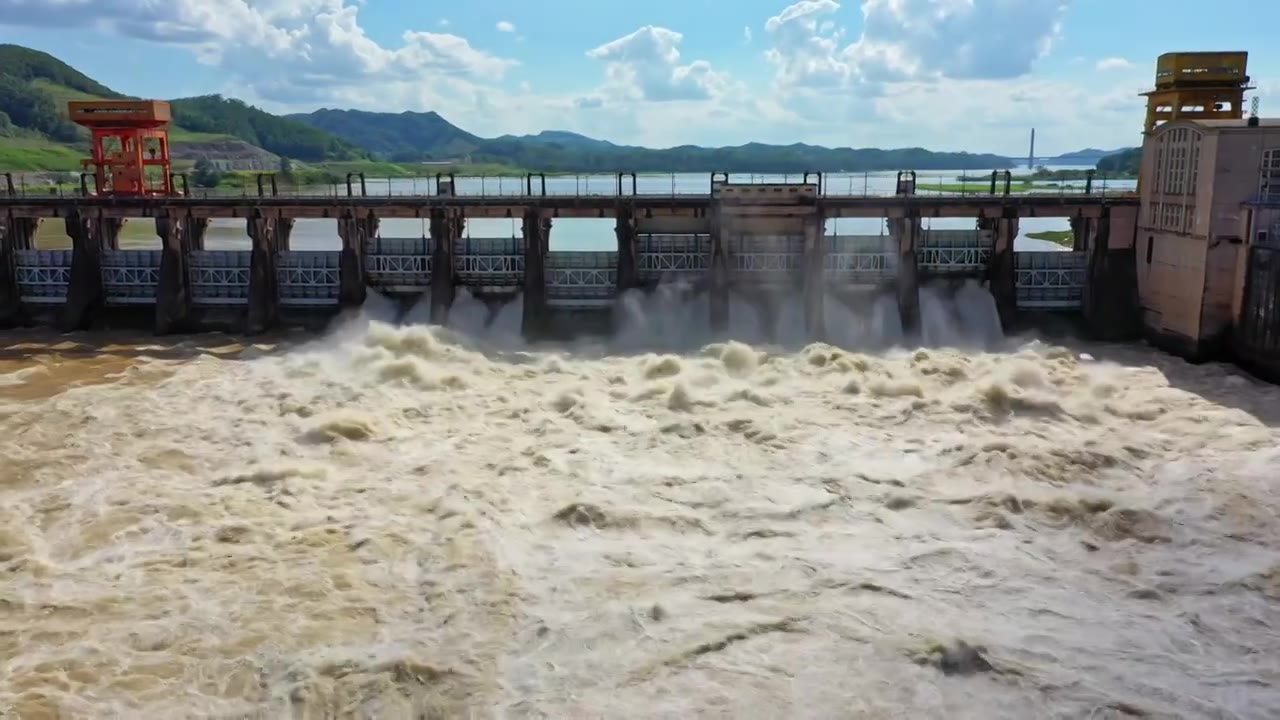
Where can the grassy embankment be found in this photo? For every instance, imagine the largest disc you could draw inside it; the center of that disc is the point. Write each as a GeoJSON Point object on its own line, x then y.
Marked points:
{"type": "Point", "coordinates": [974, 187]}
{"type": "Point", "coordinates": [1065, 238]}
{"type": "Point", "coordinates": [1045, 174]}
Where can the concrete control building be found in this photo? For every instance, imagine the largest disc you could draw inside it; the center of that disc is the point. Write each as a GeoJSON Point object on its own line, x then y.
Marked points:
{"type": "Point", "coordinates": [1208, 231]}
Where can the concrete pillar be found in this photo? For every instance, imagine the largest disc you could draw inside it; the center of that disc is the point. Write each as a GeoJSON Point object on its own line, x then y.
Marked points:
{"type": "Point", "coordinates": [283, 233]}
{"type": "Point", "coordinates": [355, 234]}
{"type": "Point", "coordinates": [16, 233]}
{"type": "Point", "coordinates": [1002, 279]}
{"type": "Point", "coordinates": [814, 276]}
{"type": "Point", "coordinates": [906, 231]}
{"type": "Point", "coordinates": [445, 231]}
{"type": "Point", "coordinates": [1081, 229]}
{"type": "Point", "coordinates": [628, 252]}
{"type": "Point", "coordinates": [196, 229]}
{"type": "Point", "coordinates": [108, 231]}
{"type": "Point", "coordinates": [269, 236]}
{"type": "Point", "coordinates": [1111, 308]}
{"type": "Point", "coordinates": [173, 292]}
{"type": "Point", "coordinates": [537, 233]}
{"type": "Point", "coordinates": [719, 267]}
{"type": "Point", "coordinates": [84, 291]}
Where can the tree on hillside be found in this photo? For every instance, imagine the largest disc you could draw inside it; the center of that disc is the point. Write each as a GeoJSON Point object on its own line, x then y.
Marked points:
{"type": "Point", "coordinates": [29, 108]}
{"type": "Point", "coordinates": [206, 174]}
{"type": "Point", "coordinates": [26, 64]}
{"type": "Point", "coordinates": [286, 167]}
{"type": "Point", "coordinates": [219, 115]}
{"type": "Point", "coordinates": [1127, 162]}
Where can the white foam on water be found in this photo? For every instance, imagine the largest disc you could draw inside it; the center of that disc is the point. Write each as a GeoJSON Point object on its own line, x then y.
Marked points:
{"type": "Point", "coordinates": [398, 520]}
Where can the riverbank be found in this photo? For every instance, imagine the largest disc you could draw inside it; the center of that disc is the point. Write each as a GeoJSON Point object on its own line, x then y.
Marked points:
{"type": "Point", "coordinates": [1065, 238]}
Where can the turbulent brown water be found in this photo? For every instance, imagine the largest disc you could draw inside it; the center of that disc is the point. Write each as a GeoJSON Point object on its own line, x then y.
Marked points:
{"type": "Point", "coordinates": [397, 522]}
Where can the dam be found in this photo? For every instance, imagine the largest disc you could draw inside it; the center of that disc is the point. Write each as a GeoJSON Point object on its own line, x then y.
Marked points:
{"type": "Point", "coordinates": [745, 239]}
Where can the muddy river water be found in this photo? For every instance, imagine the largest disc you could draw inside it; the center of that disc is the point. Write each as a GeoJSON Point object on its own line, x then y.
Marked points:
{"type": "Point", "coordinates": [399, 521]}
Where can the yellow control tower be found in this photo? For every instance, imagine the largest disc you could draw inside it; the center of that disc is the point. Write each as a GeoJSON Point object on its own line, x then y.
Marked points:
{"type": "Point", "coordinates": [1197, 86]}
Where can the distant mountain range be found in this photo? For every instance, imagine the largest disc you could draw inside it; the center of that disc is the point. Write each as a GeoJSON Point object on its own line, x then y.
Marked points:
{"type": "Point", "coordinates": [1088, 156]}
{"type": "Point", "coordinates": [35, 135]}
{"type": "Point", "coordinates": [413, 137]}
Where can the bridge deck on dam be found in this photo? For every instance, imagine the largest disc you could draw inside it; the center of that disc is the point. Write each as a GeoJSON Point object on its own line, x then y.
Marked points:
{"type": "Point", "coordinates": [585, 206]}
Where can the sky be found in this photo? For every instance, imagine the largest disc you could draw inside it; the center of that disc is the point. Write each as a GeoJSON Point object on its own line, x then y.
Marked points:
{"type": "Point", "coordinates": [972, 75]}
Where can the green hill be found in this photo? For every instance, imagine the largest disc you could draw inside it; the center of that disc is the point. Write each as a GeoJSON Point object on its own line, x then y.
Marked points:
{"type": "Point", "coordinates": [1127, 162]}
{"type": "Point", "coordinates": [398, 137]}
{"type": "Point", "coordinates": [36, 135]}
{"type": "Point", "coordinates": [412, 136]}
{"type": "Point", "coordinates": [214, 114]}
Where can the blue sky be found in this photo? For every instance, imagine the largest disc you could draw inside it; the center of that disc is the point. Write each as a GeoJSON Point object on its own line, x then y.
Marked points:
{"type": "Point", "coordinates": [942, 74]}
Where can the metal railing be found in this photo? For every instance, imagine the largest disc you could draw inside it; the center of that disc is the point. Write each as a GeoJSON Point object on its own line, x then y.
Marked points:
{"type": "Point", "coordinates": [641, 185]}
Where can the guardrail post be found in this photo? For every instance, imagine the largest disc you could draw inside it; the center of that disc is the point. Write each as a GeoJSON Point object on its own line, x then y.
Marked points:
{"type": "Point", "coordinates": [446, 189]}
{"type": "Point", "coordinates": [350, 190]}
{"type": "Point", "coordinates": [528, 183]}
{"type": "Point", "coordinates": [1008, 181]}
{"type": "Point", "coordinates": [275, 190]}
{"type": "Point", "coordinates": [906, 184]}
{"type": "Point", "coordinates": [822, 188]}
{"type": "Point", "coordinates": [8, 182]}
{"type": "Point", "coordinates": [633, 182]}
{"type": "Point", "coordinates": [1088, 181]}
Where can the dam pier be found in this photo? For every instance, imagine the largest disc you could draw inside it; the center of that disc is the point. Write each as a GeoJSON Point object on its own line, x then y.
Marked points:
{"type": "Point", "coordinates": [746, 240]}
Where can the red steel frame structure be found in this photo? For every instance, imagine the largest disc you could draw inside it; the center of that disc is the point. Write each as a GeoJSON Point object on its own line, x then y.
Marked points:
{"type": "Point", "coordinates": [130, 145]}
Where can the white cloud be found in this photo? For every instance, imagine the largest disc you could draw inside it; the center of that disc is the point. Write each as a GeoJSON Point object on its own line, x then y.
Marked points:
{"type": "Point", "coordinates": [908, 40]}
{"type": "Point", "coordinates": [1113, 63]}
{"type": "Point", "coordinates": [293, 50]}
{"type": "Point", "coordinates": [806, 51]}
{"type": "Point", "coordinates": [506, 27]}
{"type": "Point", "coordinates": [958, 39]}
{"type": "Point", "coordinates": [645, 65]}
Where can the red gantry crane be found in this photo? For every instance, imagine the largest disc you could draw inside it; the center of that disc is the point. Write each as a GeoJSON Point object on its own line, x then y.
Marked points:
{"type": "Point", "coordinates": [130, 145]}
